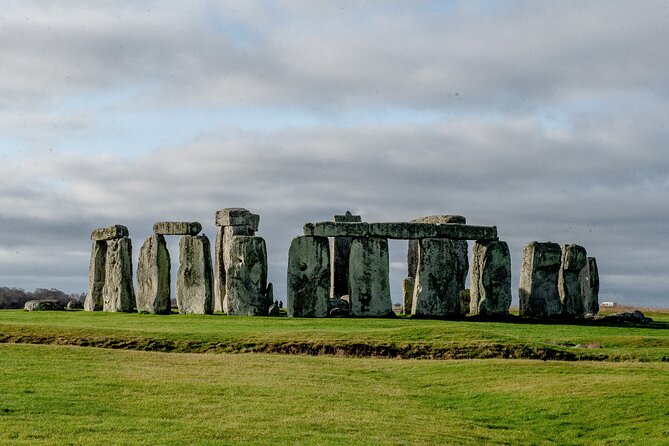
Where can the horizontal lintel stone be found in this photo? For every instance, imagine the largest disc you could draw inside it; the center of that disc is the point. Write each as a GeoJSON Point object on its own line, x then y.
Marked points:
{"type": "Point", "coordinates": [237, 217]}
{"type": "Point", "coordinates": [109, 233]}
{"type": "Point", "coordinates": [336, 229]}
{"type": "Point", "coordinates": [401, 230]}
{"type": "Point", "coordinates": [177, 228]}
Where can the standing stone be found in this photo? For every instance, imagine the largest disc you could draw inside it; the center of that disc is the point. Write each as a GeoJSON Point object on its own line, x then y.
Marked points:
{"type": "Point", "coordinates": [589, 279]}
{"type": "Point", "coordinates": [308, 277]}
{"type": "Point", "coordinates": [153, 277]}
{"type": "Point", "coordinates": [574, 259]}
{"type": "Point", "coordinates": [437, 289]}
{"type": "Point", "coordinates": [194, 280]}
{"type": "Point", "coordinates": [96, 277]}
{"type": "Point", "coordinates": [491, 279]}
{"type": "Point", "coordinates": [224, 235]}
{"type": "Point", "coordinates": [246, 277]}
{"type": "Point", "coordinates": [118, 294]}
{"type": "Point", "coordinates": [465, 301]}
{"type": "Point", "coordinates": [340, 249]}
{"type": "Point", "coordinates": [538, 291]}
{"type": "Point", "coordinates": [368, 277]}
{"type": "Point", "coordinates": [408, 285]}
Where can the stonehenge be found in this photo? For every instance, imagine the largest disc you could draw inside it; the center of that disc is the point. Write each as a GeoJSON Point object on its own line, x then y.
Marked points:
{"type": "Point", "coordinates": [308, 279]}
{"type": "Point", "coordinates": [490, 291]}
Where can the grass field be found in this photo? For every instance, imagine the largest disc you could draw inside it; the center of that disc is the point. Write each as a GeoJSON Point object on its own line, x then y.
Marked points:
{"type": "Point", "coordinates": [60, 393]}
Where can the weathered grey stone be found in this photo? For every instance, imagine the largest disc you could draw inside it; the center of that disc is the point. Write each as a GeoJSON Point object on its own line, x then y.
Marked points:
{"type": "Point", "coordinates": [412, 252]}
{"type": "Point", "coordinates": [589, 279]}
{"type": "Point", "coordinates": [402, 230]}
{"type": "Point", "coordinates": [491, 279]}
{"type": "Point", "coordinates": [246, 277]}
{"type": "Point", "coordinates": [339, 307]}
{"type": "Point", "coordinates": [408, 285]}
{"type": "Point", "coordinates": [194, 281]}
{"type": "Point", "coordinates": [465, 301]}
{"type": "Point", "coordinates": [368, 277]}
{"type": "Point", "coordinates": [109, 233]}
{"type": "Point", "coordinates": [74, 304]}
{"type": "Point", "coordinates": [441, 219]}
{"type": "Point", "coordinates": [437, 289]}
{"type": "Point", "coordinates": [340, 250]}
{"type": "Point", "coordinates": [574, 258]}
{"type": "Point", "coordinates": [336, 229]}
{"type": "Point", "coordinates": [308, 277]}
{"type": "Point", "coordinates": [153, 277]}
{"type": "Point", "coordinates": [96, 277]}
{"type": "Point", "coordinates": [43, 305]}
{"type": "Point", "coordinates": [118, 294]}
{"type": "Point", "coordinates": [224, 235]}
{"type": "Point", "coordinates": [177, 228]}
{"type": "Point", "coordinates": [237, 217]}
{"type": "Point", "coordinates": [456, 231]}
{"type": "Point", "coordinates": [538, 291]}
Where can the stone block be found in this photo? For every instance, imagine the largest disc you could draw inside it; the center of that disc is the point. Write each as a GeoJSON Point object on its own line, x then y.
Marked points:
{"type": "Point", "coordinates": [408, 285]}
{"type": "Point", "coordinates": [538, 291]}
{"type": "Point", "coordinates": [336, 229]}
{"type": "Point", "coordinates": [237, 217]}
{"type": "Point", "coordinates": [574, 259]}
{"type": "Point", "coordinates": [118, 293]}
{"type": "Point", "coordinates": [109, 233]}
{"type": "Point", "coordinates": [96, 277]}
{"type": "Point", "coordinates": [403, 230]}
{"type": "Point", "coordinates": [368, 270]}
{"type": "Point", "coordinates": [177, 228]}
{"type": "Point", "coordinates": [153, 277]}
{"type": "Point", "coordinates": [437, 289]}
{"type": "Point", "coordinates": [441, 219]}
{"type": "Point", "coordinates": [589, 279]}
{"type": "Point", "coordinates": [308, 277]}
{"type": "Point", "coordinates": [224, 235]}
{"type": "Point", "coordinates": [246, 277]}
{"type": "Point", "coordinates": [195, 277]}
{"type": "Point", "coordinates": [43, 305]}
{"type": "Point", "coordinates": [465, 301]}
{"type": "Point", "coordinates": [347, 217]}
{"type": "Point", "coordinates": [491, 279]}
{"type": "Point", "coordinates": [456, 231]}
{"type": "Point", "coordinates": [340, 250]}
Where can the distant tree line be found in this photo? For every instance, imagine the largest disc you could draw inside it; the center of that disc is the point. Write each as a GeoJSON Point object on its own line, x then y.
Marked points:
{"type": "Point", "coordinates": [16, 297]}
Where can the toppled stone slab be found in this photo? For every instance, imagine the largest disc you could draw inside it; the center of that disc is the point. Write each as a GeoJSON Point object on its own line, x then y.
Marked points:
{"type": "Point", "coordinates": [340, 249]}
{"type": "Point", "coordinates": [43, 305]}
{"type": "Point", "coordinates": [308, 277]}
{"type": "Point", "coordinates": [574, 259]}
{"type": "Point", "coordinates": [118, 293]}
{"type": "Point", "coordinates": [237, 217]}
{"type": "Point", "coordinates": [109, 233]}
{"type": "Point", "coordinates": [246, 277]}
{"type": "Point", "coordinates": [74, 304]}
{"type": "Point", "coordinates": [589, 279]}
{"type": "Point", "coordinates": [538, 291]}
{"type": "Point", "coordinates": [153, 277]}
{"type": "Point", "coordinates": [635, 316]}
{"type": "Point", "coordinates": [177, 228]}
{"type": "Point", "coordinates": [336, 229]}
{"type": "Point", "coordinates": [437, 286]}
{"type": "Point", "coordinates": [96, 277]}
{"type": "Point", "coordinates": [491, 279]}
{"type": "Point", "coordinates": [368, 277]}
{"type": "Point", "coordinates": [224, 235]}
{"type": "Point", "coordinates": [195, 277]}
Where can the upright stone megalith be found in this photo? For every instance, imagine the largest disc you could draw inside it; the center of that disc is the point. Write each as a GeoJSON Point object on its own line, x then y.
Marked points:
{"type": "Point", "coordinates": [368, 277]}
{"type": "Point", "coordinates": [340, 249]}
{"type": "Point", "coordinates": [96, 277]}
{"type": "Point", "coordinates": [574, 259]}
{"type": "Point", "coordinates": [590, 286]}
{"type": "Point", "coordinates": [246, 277]}
{"type": "Point", "coordinates": [490, 291]}
{"type": "Point", "coordinates": [194, 281]}
{"type": "Point", "coordinates": [153, 277]}
{"type": "Point", "coordinates": [308, 277]}
{"type": "Point", "coordinates": [437, 287]}
{"type": "Point", "coordinates": [538, 291]}
{"type": "Point", "coordinates": [118, 293]}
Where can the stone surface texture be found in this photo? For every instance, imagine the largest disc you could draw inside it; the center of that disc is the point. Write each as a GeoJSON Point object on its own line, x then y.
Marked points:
{"type": "Point", "coordinates": [308, 277]}
{"type": "Point", "coordinates": [246, 277]}
{"type": "Point", "coordinates": [118, 293]}
{"type": "Point", "coordinates": [153, 277]}
{"type": "Point", "coordinates": [237, 217]}
{"type": "Point", "coordinates": [368, 277]}
{"type": "Point", "coordinates": [96, 277]}
{"type": "Point", "coordinates": [574, 259]}
{"type": "Point", "coordinates": [408, 285]}
{"type": "Point", "coordinates": [195, 277]}
{"type": "Point", "coordinates": [538, 291]}
{"type": "Point", "coordinates": [437, 287]}
{"type": "Point", "coordinates": [589, 279]}
{"type": "Point", "coordinates": [336, 229]}
{"type": "Point", "coordinates": [340, 250]}
{"type": "Point", "coordinates": [491, 279]}
{"type": "Point", "coordinates": [412, 252]}
{"type": "Point", "coordinates": [465, 301]}
{"type": "Point", "coordinates": [43, 305]}
{"type": "Point", "coordinates": [109, 233]}
{"type": "Point", "coordinates": [401, 230]}
{"type": "Point", "coordinates": [177, 228]}
{"type": "Point", "coordinates": [224, 236]}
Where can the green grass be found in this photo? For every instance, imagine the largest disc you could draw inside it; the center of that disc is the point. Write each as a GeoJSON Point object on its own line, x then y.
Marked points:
{"type": "Point", "coordinates": [406, 338]}
{"type": "Point", "coordinates": [55, 395]}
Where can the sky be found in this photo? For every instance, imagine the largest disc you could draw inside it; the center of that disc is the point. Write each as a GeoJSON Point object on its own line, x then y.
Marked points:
{"type": "Point", "coordinates": [546, 119]}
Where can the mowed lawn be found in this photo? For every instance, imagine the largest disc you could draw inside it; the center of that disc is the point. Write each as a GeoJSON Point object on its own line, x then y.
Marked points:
{"type": "Point", "coordinates": [55, 395]}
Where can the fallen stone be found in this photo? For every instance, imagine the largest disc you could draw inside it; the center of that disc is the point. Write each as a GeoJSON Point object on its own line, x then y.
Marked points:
{"type": "Point", "coordinates": [273, 309]}
{"type": "Point", "coordinates": [237, 217]}
{"type": "Point", "coordinates": [224, 235]}
{"type": "Point", "coordinates": [574, 259]}
{"type": "Point", "coordinates": [194, 280]}
{"type": "Point", "coordinates": [437, 289]}
{"type": "Point", "coordinates": [538, 291]}
{"type": "Point", "coordinates": [43, 305]}
{"type": "Point", "coordinates": [153, 277]}
{"type": "Point", "coordinates": [118, 293]}
{"type": "Point", "coordinates": [109, 233]}
{"type": "Point", "coordinates": [308, 277]}
{"type": "Point", "coordinates": [635, 316]}
{"type": "Point", "coordinates": [96, 277]}
{"type": "Point", "coordinates": [340, 249]}
{"type": "Point", "coordinates": [246, 277]}
{"type": "Point", "coordinates": [589, 279]}
{"type": "Point", "coordinates": [177, 228]}
{"type": "Point", "coordinates": [336, 229]}
{"type": "Point", "coordinates": [368, 277]}
{"type": "Point", "coordinates": [74, 304]}
{"type": "Point", "coordinates": [491, 279]}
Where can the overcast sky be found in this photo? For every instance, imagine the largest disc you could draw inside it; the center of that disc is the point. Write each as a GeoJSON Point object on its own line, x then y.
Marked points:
{"type": "Point", "coordinates": [546, 119]}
